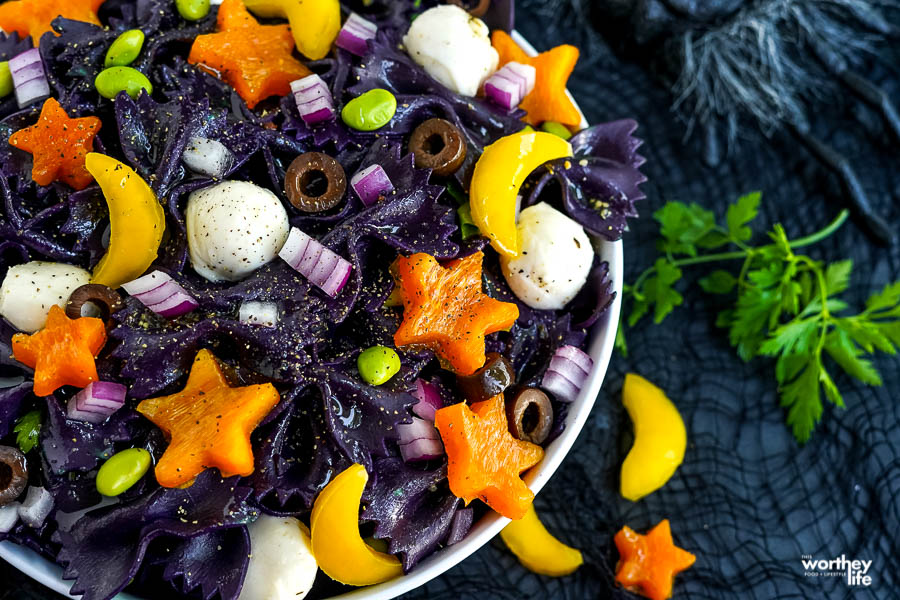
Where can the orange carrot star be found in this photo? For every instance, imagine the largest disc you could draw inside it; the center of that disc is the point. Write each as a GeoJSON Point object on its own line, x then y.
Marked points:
{"type": "Point", "coordinates": [483, 459]}
{"type": "Point", "coordinates": [650, 562]}
{"type": "Point", "coordinates": [548, 101]}
{"type": "Point", "coordinates": [33, 17]}
{"type": "Point", "coordinates": [209, 423]}
{"type": "Point", "coordinates": [63, 352]}
{"type": "Point", "coordinates": [254, 59]}
{"type": "Point", "coordinates": [59, 145]}
{"type": "Point", "coordinates": [444, 309]}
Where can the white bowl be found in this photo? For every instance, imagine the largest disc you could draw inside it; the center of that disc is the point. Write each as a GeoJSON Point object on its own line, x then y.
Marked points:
{"type": "Point", "coordinates": [601, 341]}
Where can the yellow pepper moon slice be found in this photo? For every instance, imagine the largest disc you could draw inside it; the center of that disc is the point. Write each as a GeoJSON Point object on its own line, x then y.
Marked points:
{"type": "Point", "coordinates": [659, 438]}
{"type": "Point", "coordinates": [314, 23]}
{"type": "Point", "coordinates": [336, 543]}
{"type": "Point", "coordinates": [537, 549]}
{"type": "Point", "coordinates": [136, 221]}
{"type": "Point", "coordinates": [498, 175]}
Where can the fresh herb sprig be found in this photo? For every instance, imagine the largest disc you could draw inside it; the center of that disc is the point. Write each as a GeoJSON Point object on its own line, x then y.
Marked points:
{"type": "Point", "coordinates": [27, 430]}
{"type": "Point", "coordinates": [786, 304]}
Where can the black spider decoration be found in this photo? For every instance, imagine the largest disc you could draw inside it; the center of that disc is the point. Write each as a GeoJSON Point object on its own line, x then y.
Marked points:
{"type": "Point", "coordinates": [733, 62]}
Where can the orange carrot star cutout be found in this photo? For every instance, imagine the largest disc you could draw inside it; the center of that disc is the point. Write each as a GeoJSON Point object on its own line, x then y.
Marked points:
{"type": "Point", "coordinates": [209, 423]}
{"type": "Point", "coordinates": [254, 59]}
{"type": "Point", "coordinates": [444, 309]}
{"type": "Point", "coordinates": [650, 562]}
{"type": "Point", "coordinates": [548, 101]}
{"type": "Point", "coordinates": [63, 352]}
{"type": "Point", "coordinates": [33, 17]}
{"type": "Point", "coordinates": [483, 459]}
{"type": "Point", "coordinates": [59, 145]}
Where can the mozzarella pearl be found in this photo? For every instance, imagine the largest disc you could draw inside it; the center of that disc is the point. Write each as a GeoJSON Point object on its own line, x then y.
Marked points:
{"type": "Point", "coordinates": [234, 228]}
{"type": "Point", "coordinates": [28, 291]}
{"type": "Point", "coordinates": [281, 565]}
{"type": "Point", "coordinates": [453, 47]}
{"type": "Point", "coordinates": [555, 257]}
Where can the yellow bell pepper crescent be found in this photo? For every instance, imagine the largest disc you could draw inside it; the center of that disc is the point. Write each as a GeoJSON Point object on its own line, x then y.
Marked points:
{"type": "Point", "coordinates": [136, 221]}
{"type": "Point", "coordinates": [537, 549]}
{"type": "Point", "coordinates": [336, 543]}
{"type": "Point", "coordinates": [499, 173]}
{"type": "Point", "coordinates": [660, 438]}
{"type": "Point", "coordinates": [314, 23]}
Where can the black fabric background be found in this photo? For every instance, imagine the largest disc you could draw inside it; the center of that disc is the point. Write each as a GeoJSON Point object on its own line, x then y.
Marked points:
{"type": "Point", "coordinates": [748, 501]}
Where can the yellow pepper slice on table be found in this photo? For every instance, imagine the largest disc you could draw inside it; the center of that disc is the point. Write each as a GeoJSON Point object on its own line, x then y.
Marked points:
{"type": "Point", "coordinates": [537, 549]}
{"type": "Point", "coordinates": [314, 23]}
{"type": "Point", "coordinates": [336, 543]}
{"type": "Point", "coordinates": [499, 173]}
{"type": "Point", "coordinates": [660, 438]}
{"type": "Point", "coordinates": [136, 221]}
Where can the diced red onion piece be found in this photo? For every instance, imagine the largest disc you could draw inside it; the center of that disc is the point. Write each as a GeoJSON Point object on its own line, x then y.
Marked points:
{"type": "Point", "coordinates": [29, 77]}
{"type": "Point", "coordinates": [264, 314]}
{"type": "Point", "coordinates": [502, 91]}
{"type": "Point", "coordinates": [355, 34]}
{"type": "Point", "coordinates": [338, 278]}
{"type": "Point", "coordinates": [419, 440]}
{"type": "Point", "coordinates": [568, 369]}
{"type": "Point", "coordinates": [175, 306]}
{"type": "Point", "coordinates": [320, 265]}
{"type": "Point", "coordinates": [145, 283]}
{"type": "Point", "coordinates": [460, 525]}
{"type": "Point", "coordinates": [526, 74]}
{"type": "Point", "coordinates": [294, 248]}
{"type": "Point", "coordinates": [370, 183]}
{"type": "Point", "coordinates": [9, 516]}
{"type": "Point", "coordinates": [36, 507]}
{"type": "Point", "coordinates": [207, 157]}
{"type": "Point", "coordinates": [161, 294]}
{"type": "Point", "coordinates": [76, 414]}
{"type": "Point", "coordinates": [429, 400]}
{"type": "Point", "coordinates": [577, 356]}
{"type": "Point", "coordinates": [558, 385]}
{"type": "Point", "coordinates": [316, 111]}
{"type": "Point", "coordinates": [96, 402]}
{"type": "Point", "coordinates": [305, 84]}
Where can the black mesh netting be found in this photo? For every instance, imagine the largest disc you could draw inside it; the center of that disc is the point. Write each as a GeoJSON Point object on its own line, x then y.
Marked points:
{"type": "Point", "coordinates": [747, 500]}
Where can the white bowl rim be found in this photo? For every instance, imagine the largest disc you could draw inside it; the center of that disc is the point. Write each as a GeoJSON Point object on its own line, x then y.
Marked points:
{"type": "Point", "coordinates": [601, 344]}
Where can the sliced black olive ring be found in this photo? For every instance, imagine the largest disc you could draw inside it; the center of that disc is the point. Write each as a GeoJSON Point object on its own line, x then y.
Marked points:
{"type": "Point", "coordinates": [315, 182]}
{"type": "Point", "coordinates": [13, 474]}
{"type": "Point", "coordinates": [530, 415]}
{"type": "Point", "coordinates": [438, 145]}
{"type": "Point", "coordinates": [102, 299]}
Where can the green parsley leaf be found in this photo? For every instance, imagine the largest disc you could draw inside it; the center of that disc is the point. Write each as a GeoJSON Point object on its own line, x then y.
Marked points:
{"type": "Point", "coordinates": [801, 399]}
{"type": "Point", "coordinates": [889, 297]}
{"type": "Point", "coordinates": [845, 352]}
{"type": "Point", "coordinates": [718, 282]}
{"type": "Point", "coordinates": [837, 276]}
{"type": "Point", "coordinates": [27, 429]}
{"type": "Point", "coordinates": [682, 226]}
{"type": "Point", "coordinates": [740, 213]}
{"type": "Point", "coordinates": [665, 297]}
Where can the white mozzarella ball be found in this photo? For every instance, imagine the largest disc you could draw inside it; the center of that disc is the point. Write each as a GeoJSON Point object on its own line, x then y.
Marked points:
{"type": "Point", "coordinates": [234, 228]}
{"type": "Point", "coordinates": [28, 291]}
{"type": "Point", "coordinates": [281, 566]}
{"type": "Point", "coordinates": [554, 261]}
{"type": "Point", "coordinates": [453, 47]}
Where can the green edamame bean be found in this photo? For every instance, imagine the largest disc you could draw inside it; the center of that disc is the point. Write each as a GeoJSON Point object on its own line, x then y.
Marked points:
{"type": "Point", "coordinates": [369, 111]}
{"type": "Point", "coordinates": [122, 470]}
{"type": "Point", "coordinates": [6, 82]}
{"type": "Point", "coordinates": [192, 10]}
{"type": "Point", "coordinates": [124, 49]}
{"type": "Point", "coordinates": [113, 80]}
{"type": "Point", "coordinates": [556, 129]}
{"type": "Point", "coordinates": [378, 364]}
